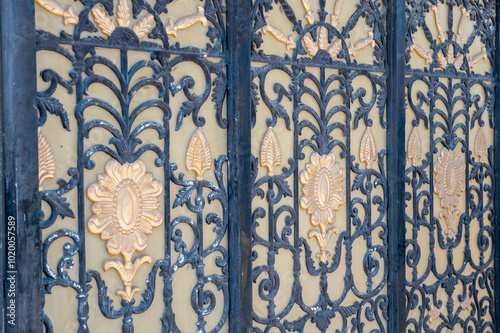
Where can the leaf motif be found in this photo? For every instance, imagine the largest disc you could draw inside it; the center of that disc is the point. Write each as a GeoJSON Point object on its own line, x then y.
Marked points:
{"type": "Point", "coordinates": [58, 204]}
{"type": "Point", "coordinates": [449, 55]}
{"type": "Point", "coordinates": [53, 106]}
{"type": "Point", "coordinates": [459, 60]}
{"type": "Point", "coordinates": [123, 14]}
{"type": "Point", "coordinates": [442, 61]}
{"type": "Point", "coordinates": [311, 48]}
{"type": "Point", "coordinates": [142, 27]}
{"type": "Point", "coordinates": [198, 156]}
{"type": "Point", "coordinates": [368, 149]}
{"type": "Point", "coordinates": [46, 160]}
{"type": "Point", "coordinates": [335, 48]}
{"type": "Point", "coordinates": [218, 95]}
{"type": "Point", "coordinates": [270, 151]}
{"type": "Point", "coordinates": [283, 187]}
{"type": "Point", "coordinates": [358, 182]}
{"type": "Point", "coordinates": [103, 21]}
{"type": "Point", "coordinates": [349, 310]}
{"type": "Point", "coordinates": [481, 145]}
{"type": "Point", "coordinates": [183, 196]}
{"type": "Point", "coordinates": [323, 38]}
{"type": "Point", "coordinates": [187, 108]}
{"type": "Point", "coordinates": [414, 147]}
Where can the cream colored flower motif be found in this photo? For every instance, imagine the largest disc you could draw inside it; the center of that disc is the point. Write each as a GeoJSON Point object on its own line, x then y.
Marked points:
{"type": "Point", "coordinates": [323, 190]}
{"type": "Point", "coordinates": [466, 305]}
{"type": "Point", "coordinates": [434, 314]}
{"type": "Point", "coordinates": [450, 177]}
{"type": "Point", "coordinates": [125, 207]}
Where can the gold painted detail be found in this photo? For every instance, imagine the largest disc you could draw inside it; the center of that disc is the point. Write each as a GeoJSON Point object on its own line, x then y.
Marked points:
{"type": "Point", "coordinates": [478, 57]}
{"type": "Point", "coordinates": [123, 14]}
{"type": "Point", "coordinates": [199, 155]}
{"type": "Point", "coordinates": [187, 21]}
{"type": "Point", "coordinates": [127, 273]}
{"type": "Point", "coordinates": [449, 184]}
{"type": "Point", "coordinates": [361, 44]}
{"type": "Point", "coordinates": [449, 58]}
{"type": "Point", "coordinates": [466, 305]}
{"type": "Point", "coordinates": [278, 34]}
{"type": "Point", "coordinates": [334, 48]}
{"type": "Point", "coordinates": [270, 151]}
{"type": "Point", "coordinates": [126, 209]}
{"type": "Point", "coordinates": [441, 35]}
{"type": "Point", "coordinates": [434, 314]}
{"type": "Point", "coordinates": [106, 25]}
{"type": "Point", "coordinates": [46, 160]}
{"type": "Point", "coordinates": [461, 25]}
{"type": "Point", "coordinates": [323, 195]}
{"type": "Point", "coordinates": [414, 147]}
{"type": "Point", "coordinates": [309, 14]}
{"type": "Point", "coordinates": [56, 8]}
{"type": "Point", "coordinates": [368, 148]}
{"type": "Point", "coordinates": [481, 145]}
{"type": "Point", "coordinates": [334, 18]}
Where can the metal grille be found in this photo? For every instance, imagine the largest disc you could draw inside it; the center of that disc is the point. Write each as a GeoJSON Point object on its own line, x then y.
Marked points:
{"type": "Point", "coordinates": [250, 166]}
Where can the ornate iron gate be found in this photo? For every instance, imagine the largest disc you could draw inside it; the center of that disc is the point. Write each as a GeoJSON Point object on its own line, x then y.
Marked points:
{"type": "Point", "coordinates": [250, 166]}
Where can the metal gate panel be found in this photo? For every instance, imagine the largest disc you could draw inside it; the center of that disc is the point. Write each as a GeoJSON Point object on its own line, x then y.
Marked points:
{"type": "Point", "coordinates": [132, 126]}
{"type": "Point", "coordinates": [450, 171]}
{"type": "Point", "coordinates": [251, 166]}
{"type": "Point", "coordinates": [319, 166]}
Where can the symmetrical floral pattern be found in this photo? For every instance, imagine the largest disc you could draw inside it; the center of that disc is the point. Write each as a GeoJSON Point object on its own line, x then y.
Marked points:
{"type": "Point", "coordinates": [323, 195]}
{"type": "Point", "coordinates": [126, 209]}
{"type": "Point", "coordinates": [323, 189]}
{"type": "Point", "coordinates": [450, 178]}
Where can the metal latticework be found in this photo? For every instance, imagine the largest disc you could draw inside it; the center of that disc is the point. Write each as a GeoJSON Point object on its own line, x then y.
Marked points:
{"type": "Point", "coordinates": [250, 166]}
{"type": "Point", "coordinates": [450, 170]}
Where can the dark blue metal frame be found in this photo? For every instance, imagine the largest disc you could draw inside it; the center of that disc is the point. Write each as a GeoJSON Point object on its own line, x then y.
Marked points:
{"type": "Point", "coordinates": [396, 163]}
{"type": "Point", "coordinates": [239, 152]}
{"type": "Point", "coordinates": [20, 198]}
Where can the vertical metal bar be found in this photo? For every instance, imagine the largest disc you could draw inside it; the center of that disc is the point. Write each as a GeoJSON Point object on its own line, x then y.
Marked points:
{"type": "Point", "coordinates": [396, 163]}
{"type": "Point", "coordinates": [20, 151]}
{"type": "Point", "coordinates": [496, 162]}
{"type": "Point", "coordinates": [3, 216]}
{"type": "Point", "coordinates": [239, 153]}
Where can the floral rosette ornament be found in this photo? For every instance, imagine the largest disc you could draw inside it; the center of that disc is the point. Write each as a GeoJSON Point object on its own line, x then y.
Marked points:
{"type": "Point", "coordinates": [323, 195]}
{"type": "Point", "coordinates": [450, 184]}
{"type": "Point", "coordinates": [126, 209]}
